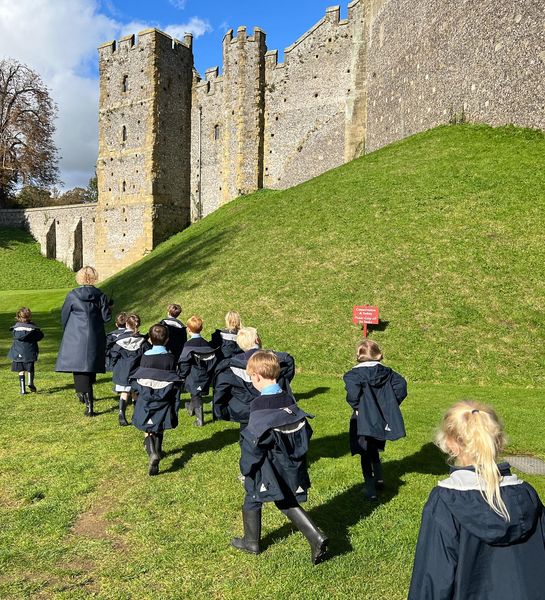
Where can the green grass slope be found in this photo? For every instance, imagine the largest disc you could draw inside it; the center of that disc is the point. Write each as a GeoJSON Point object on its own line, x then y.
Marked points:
{"type": "Point", "coordinates": [22, 267]}
{"type": "Point", "coordinates": [443, 231]}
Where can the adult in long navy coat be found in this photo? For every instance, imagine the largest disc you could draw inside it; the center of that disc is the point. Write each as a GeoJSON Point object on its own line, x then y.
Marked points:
{"type": "Point", "coordinates": [85, 311]}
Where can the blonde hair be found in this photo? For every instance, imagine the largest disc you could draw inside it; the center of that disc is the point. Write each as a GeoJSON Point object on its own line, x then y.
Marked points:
{"type": "Point", "coordinates": [24, 315]}
{"type": "Point", "coordinates": [368, 350]}
{"type": "Point", "coordinates": [478, 432]}
{"type": "Point", "coordinates": [232, 320]}
{"type": "Point", "coordinates": [264, 363]}
{"type": "Point", "coordinates": [86, 276]}
{"type": "Point", "coordinates": [194, 324]}
{"type": "Point", "coordinates": [247, 338]}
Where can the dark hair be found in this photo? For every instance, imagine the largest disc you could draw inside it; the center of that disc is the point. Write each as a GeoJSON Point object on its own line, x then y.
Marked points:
{"type": "Point", "coordinates": [23, 315]}
{"type": "Point", "coordinates": [174, 310]}
{"type": "Point", "coordinates": [158, 335]}
{"type": "Point", "coordinates": [121, 319]}
{"type": "Point", "coordinates": [133, 322]}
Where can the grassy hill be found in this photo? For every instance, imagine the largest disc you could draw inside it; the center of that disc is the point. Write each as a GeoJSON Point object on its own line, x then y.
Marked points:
{"type": "Point", "coordinates": [443, 231]}
{"type": "Point", "coordinates": [22, 267]}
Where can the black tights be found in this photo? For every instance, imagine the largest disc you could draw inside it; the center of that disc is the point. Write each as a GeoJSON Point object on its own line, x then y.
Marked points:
{"type": "Point", "coordinates": [83, 382]}
{"type": "Point", "coordinates": [368, 457]}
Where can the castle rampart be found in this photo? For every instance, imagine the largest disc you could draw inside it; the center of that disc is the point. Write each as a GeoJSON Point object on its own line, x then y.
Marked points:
{"type": "Point", "coordinates": [173, 147]}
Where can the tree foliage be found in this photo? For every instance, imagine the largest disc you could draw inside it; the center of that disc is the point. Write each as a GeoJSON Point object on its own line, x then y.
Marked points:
{"type": "Point", "coordinates": [28, 155]}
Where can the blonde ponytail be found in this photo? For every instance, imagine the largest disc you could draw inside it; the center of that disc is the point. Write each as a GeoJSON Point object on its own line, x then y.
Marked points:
{"type": "Point", "coordinates": [478, 433]}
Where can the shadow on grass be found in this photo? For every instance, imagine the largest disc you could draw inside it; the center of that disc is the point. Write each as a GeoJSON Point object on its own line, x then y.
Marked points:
{"type": "Point", "coordinates": [214, 443]}
{"type": "Point", "coordinates": [342, 512]}
{"type": "Point", "coordinates": [318, 391]}
{"type": "Point", "coordinates": [329, 446]}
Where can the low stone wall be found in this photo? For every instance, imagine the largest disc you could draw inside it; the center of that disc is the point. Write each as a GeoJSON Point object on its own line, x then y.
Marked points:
{"type": "Point", "coordinates": [65, 233]}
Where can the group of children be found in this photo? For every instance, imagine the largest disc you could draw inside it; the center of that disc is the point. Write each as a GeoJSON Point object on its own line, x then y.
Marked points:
{"type": "Point", "coordinates": [483, 529]}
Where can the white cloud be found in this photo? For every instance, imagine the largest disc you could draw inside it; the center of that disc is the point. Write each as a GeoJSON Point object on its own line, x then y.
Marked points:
{"type": "Point", "coordinates": [197, 26]}
{"type": "Point", "coordinates": [179, 4]}
{"type": "Point", "coordinates": [59, 40]}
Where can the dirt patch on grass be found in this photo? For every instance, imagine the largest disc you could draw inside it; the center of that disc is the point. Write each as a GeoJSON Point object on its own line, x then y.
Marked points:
{"type": "Point", "coordinates": [94, 525]}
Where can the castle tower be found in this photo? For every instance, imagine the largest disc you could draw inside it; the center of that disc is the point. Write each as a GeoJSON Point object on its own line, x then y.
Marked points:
{"type": "Point", "coordinates": [244, 93]}
{"type": "Point", "coordinates": [143, 165]}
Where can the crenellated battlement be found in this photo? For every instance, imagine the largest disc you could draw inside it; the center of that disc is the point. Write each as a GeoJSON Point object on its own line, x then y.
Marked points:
{"type": "Point", "coordinates": [242, 36]}
{"type": "Point", "coordinates": [144, 38]}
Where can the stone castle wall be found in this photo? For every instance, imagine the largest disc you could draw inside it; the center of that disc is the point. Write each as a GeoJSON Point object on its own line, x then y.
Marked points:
{"type": "Point", "coordinates": [173, 147]}
{"type": "Point", "coordinates": [143, 166]}
{"type": "Point", "coordinates": [434, 62]}
{"type": "Point", "coordinates": [66, 233]}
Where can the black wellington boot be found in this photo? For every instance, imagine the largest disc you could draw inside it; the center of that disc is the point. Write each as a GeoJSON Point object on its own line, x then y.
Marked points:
{"type": "Point", "coordinates": [22, 384]}
{"type": "Point", "coordinates": [151, 445]}
{"type": "Point", "coordinates": [81, 397]}
{"type": "Point", "coordinates": [379, 477]}
{"type": "Point", "coordinates": [160, 444]}
{"type": "Point", "coordinates": [196, 403]}
{"type": "Point", "coordinates": [315, 537]}
{"type": "Point", "coordinates": [251, 520]}
{"type": "Point", "coordinates": [89, 400]}
{"type": "Point", "coordinates": [122, 409]}
{"type": "Point", "coordinates": [190, 409]}
{"type": "Point", "coordinates": [30, 381]}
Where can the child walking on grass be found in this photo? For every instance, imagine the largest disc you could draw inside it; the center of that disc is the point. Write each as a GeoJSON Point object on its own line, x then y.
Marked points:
{"type": "Point", "coordinates": [126, 354]}
{"type": "Point", "coordinates": [158, 388]}
{"type": "Point", "coordinates": [273, 458]}
{"type": "Point", "coordinates": [24, 350]}
{"type": "Point", "coordinates": [120, 322]}
{"type": "Point", "coordinates": [177, 333]}
{"type": "Point", "coordinates": [225, 340]}
{"type": "Point", "coordinates": [374, 392]}
{"type": "Point", "coordinates": [483, 529]}
{"type": "Point", "coordinates": [196, 368]}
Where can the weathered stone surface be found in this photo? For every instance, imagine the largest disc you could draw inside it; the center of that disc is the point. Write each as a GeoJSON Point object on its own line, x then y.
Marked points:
{"type": "Point", "coordinates": [174, 147]}
{"type": "Point", "coordinates": [66, 233]}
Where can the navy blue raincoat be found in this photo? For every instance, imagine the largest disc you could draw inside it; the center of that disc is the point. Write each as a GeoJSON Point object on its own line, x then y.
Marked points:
{"type": "Point", "coordinates": [233, 389]}
{"type": "Point", "coordinates": [274, 449]}
{"type": "Point", "coordinates": [83, 345]}
{"type": "Point", "coordinates": [25, 342]}
{"type": "Point", "coordinates": [466, 551]}
{"type": "Point", "coordinates": [375, 392]}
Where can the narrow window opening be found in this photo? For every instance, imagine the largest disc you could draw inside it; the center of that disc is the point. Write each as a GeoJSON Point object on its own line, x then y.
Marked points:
{"type": "Point", "coordinates": [124, 133]}
{"type": "Point", "coordinates": [125, 84]}
{"type": "Point", "coordinates": [216, 132]}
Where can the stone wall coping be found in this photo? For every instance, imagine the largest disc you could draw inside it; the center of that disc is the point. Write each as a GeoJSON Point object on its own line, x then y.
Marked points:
{"type": "Point", "coordinates": [37, 209]}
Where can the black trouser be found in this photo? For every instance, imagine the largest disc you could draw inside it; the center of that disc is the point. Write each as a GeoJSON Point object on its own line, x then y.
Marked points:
{"type": "Point", "coordinates": [83, 382]}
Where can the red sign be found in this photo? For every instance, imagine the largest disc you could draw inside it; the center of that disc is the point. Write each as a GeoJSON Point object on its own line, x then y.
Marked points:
{"type": "Point", "coordinates": [367, 315]}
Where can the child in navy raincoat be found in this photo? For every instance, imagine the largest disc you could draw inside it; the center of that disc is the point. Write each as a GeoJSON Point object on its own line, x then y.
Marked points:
{"type": "Point", "coordinates": [225, 340]}
{"type": "Point", "coordinates": [196, 368]}
{"type": "Point", "coordinates": [24, 350]}
{"type": "Point", "coordinates": [482, 535]}
{"type": "Point", "coordinates": [233, 389]}
{"type": "Point", "coordinates": [177, 333]}
{"type": "Point", "coordinates": [111, 337]}
{"type": "Point", "coordinates": [126, 354]}
{"type": "Point", "coordinates": [374, 392]}
{"type": "Point", "coordinates": [273, 458]}
{"type": "Point", "coordinates": [158, 388]}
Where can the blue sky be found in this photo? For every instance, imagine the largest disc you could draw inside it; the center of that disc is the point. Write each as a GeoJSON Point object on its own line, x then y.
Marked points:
{"type": "Point", "coordinates": [283, 21]}
{"type": "Point", "coordinates": [59, 39]}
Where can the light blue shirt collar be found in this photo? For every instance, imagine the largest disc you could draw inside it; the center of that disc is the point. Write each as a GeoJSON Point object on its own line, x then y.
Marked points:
{"type": "Point", "coordinates": [271, 389]}
{"type": "Point", "coordinates": [196, 335]}
{"type": "Point", "coordinates": [156, 350]}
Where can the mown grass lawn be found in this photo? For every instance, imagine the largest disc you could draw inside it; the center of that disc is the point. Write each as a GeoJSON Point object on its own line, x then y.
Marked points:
{"type": "Point", "coordinates": [444, 231]}
{"type": "Point", "coordinates": [80, 516]}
